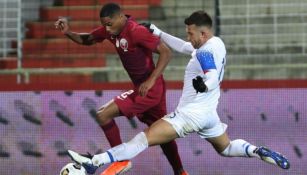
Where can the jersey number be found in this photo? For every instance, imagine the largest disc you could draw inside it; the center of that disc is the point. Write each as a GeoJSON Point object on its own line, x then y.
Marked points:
{"type": "Point", "coordinates": [125, 94]}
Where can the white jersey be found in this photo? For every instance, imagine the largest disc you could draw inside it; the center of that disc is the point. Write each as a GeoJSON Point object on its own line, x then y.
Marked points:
{"type": "Point", "coordinates": [210, 99]}
{"type": "Point", "coordinates": [215, 49]}
{"type": "Point", "coordinates": [196, 112]}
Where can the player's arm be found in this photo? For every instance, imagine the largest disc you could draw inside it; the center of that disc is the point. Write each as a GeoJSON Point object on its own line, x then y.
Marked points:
{"type": "Point", "coordinates": [145, 39]}
{"type": "Point", "coordinates": [164, 58]}
{"type": "Point", "coordinates": [210, 79]}
{"type": "Point", "coordinates": [174, 42]}
{"type": "Point", "coordinates": [80, 38]}
{"type": "Point", "coordinates": [177, 44]}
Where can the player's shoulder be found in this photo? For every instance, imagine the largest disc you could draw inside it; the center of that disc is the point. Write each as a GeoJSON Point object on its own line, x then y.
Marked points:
{"type": "Point", "coordinates": [99, 32]}
{"type": "Point", "coordinates": [217, 41]}
{"type": "Point", "coordinates": [207, 49]}
{"type": "Point", "coordinates": [204, 48]}
{"type": "Point", "coordinates": [135, 28]}
{"type": "Point", "coordinates": [212, 44]}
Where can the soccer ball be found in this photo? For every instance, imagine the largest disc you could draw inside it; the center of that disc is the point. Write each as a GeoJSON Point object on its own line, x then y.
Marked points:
{"type": "Point", "coordinates": [73, 169]}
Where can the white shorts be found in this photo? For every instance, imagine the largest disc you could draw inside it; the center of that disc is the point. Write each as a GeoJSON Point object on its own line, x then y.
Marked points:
{"type": "Point", "coordinates": [206, 123]}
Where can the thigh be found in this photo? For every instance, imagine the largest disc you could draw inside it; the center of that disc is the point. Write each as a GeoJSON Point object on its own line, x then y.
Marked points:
{"type": "Point", "coordinates": [182, 123]}
{"type": "Point", "coordinates": [132, 104]}
{"type": "Point", "coordinates": [125, 102]}
{"type": "Point", "coordinates": [160, 132]}
{"type": "Point", "coordinates": [210, 124]}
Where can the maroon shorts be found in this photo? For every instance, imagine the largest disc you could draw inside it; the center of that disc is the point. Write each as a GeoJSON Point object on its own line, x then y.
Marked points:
{"type": "Point", "coordinates": [148, 109]}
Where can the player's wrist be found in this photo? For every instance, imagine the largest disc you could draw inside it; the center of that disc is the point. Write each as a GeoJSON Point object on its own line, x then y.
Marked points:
{"type": "Point", "coordinates": [152, 78]}
{"type": "Point", "coordinates": [67, 33]}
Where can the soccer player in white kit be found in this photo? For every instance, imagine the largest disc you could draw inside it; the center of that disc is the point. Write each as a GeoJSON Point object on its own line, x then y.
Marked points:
{"type": "Point", "coordinates": [197, 108]}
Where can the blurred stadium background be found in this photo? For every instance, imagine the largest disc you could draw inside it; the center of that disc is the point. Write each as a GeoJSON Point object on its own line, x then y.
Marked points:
{"type": "Point", "coordinates": [50, 87]}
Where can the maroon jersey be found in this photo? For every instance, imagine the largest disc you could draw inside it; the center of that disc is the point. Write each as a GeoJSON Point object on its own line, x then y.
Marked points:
{"type": "Point", "coordinates": [134, 46]}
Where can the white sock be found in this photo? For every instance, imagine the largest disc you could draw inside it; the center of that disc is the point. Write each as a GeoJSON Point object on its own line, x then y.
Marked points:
{"type": "Point", "coordinates": [240, 148]}
{"type": "Point", "coordinates": [124, 151]}
{"type": "Point", "coordinates": [101, 159]}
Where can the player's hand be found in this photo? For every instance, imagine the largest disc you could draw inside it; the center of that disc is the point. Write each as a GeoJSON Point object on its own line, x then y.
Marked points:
{"type": "Point", "coordinates": [199, 85]}
{"type": "Point", "coordinates": [145, 86]}
{"type": "Point", "coordinates": [62, 24]}
{"type": "Point", "coordinates": [147, 25]}
{"type": "Point", "coordinates": [152, 28]}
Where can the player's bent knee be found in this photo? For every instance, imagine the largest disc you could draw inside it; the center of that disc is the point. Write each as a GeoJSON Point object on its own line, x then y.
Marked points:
{"type": "Point", "coordinates": [99, 113]}
{"type": "Point", "coordinates": [102, 118]}
{"type": "Point", "coordinates": [154, 138]}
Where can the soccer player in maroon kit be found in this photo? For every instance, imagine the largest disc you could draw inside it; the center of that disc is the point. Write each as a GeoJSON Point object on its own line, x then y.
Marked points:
{"type": "Point", "coordinates": [134, 44]}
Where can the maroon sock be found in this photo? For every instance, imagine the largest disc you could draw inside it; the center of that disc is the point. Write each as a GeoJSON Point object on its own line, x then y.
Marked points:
{"type": "Point", "coordinates": [171, 152]}
{"type": "Point", "coordinates": [111, 131]}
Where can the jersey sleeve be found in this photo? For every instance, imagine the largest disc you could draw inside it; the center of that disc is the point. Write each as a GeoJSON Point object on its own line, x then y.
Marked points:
{"type": "Point", "coordinates": [177, 43]}
{"type": "Point", "coordinates": [143, 38]}
{"type": "Point", "coordinates": [99, 34]}
{"type": "Point", "coordinates": [206, 60]}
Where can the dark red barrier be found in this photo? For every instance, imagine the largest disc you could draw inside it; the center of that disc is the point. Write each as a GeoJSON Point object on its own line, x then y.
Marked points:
{"type": "Point", "coordinates": [75, 85]}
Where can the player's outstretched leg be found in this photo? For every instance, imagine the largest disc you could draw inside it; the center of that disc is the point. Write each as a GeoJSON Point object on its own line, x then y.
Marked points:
{"type": "Point", "coordinates": [126, 151]}
{"type": "Point", "coordinates": [119, 154]}
{"type": "Point", "coordinates": [84, 160]}
{"type": "Point", "coordinates": [272, 157]}
{"type": "Point", "coordinates": [241, 148]}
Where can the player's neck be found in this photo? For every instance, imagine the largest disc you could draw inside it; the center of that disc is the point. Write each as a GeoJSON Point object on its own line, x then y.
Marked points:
{"type": "Point", "coordinates": [207, 37]}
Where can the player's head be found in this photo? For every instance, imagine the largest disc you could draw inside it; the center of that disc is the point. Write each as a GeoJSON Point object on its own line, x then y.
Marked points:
{"type": "Point", "coordinates": [112, 18]}
{"type": "Point", "coordinates": [198, 28]}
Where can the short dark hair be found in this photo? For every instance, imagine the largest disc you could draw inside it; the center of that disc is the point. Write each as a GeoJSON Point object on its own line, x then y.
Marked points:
{"type": "Point", "coordinates": [109, 9]}
{"type": "Point", "coordinates": [199, 18]}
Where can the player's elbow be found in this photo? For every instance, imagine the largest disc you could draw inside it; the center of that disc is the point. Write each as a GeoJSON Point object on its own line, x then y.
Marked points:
{"type": "Point", "coordinates": [168, 53]}
{"type": "Point", "coordinates": [86, 39]}
{"type": "Point", "coordinates": [212, 81]}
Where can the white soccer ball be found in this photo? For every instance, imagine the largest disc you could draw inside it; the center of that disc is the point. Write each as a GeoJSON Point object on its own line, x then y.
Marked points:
{"type": "Point", "coordinates": [73, 169]}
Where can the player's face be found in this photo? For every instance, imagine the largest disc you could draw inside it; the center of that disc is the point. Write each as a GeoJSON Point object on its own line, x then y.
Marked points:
{"type": "Point", "coordinates": [113, 24]}
{"type": "Point", "coordinates": [194, 35]}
